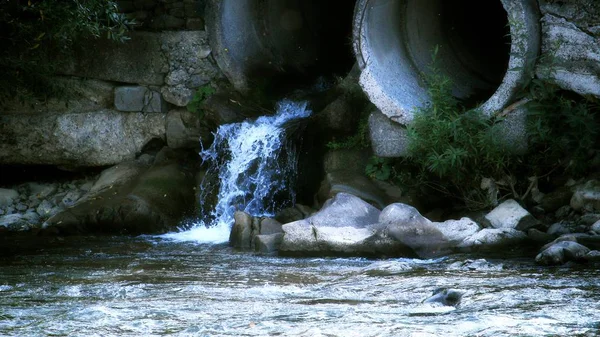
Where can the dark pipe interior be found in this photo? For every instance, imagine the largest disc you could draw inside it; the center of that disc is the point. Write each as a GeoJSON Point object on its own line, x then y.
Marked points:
{"type": "Point", "coordinates": [306, 39]}
{"type": "Point", "coordinates": [478, 34]}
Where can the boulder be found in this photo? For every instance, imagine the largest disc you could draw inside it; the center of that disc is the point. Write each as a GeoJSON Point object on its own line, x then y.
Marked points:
{"type": "Point", "coordinates": [562, 252]}
{"type": "Point", "coordinates": [426, 238]}
{"type": "Point", "coordinates": [346, 225]}
{"type": "Point", "coordinates": [510, 214]}
{"type": "Point", "coordinates": [7, 197]}
{"type": "Point", "coordinates": [241, 232]}
{"type": "Point", "coordinates": [587, 197]}
{"type": "Point", "coordinates": [267, 244]}
{"type": "Point", "coordinates": [154, 201]}
{"type": "Point", "coordinates": [139, 99]}
{"type": "Point", "coordinates": [492, 239]}
{"type": "Point", "coordinates": [79, 139]}
{"type": "Point", "coordinates": [445, 297]}
{"type": "Point", "coordinates": [269, 226]}
{"type": "Point", "coordinates": [183, 130]}
{"type": "Point", "coordinates": [357, 184]}
{"type": "Point", "coordinates": [592, 256]}
{"type": "Point", "coordinates": [554, 200]}
{"type": "Point", "coordinates": [596, 227]}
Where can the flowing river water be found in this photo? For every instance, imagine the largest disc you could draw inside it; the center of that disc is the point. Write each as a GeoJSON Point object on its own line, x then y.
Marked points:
{"type": "Point", "coordinates": [148, 286]}
{"type": "Point", "coordinates": [191, 283]}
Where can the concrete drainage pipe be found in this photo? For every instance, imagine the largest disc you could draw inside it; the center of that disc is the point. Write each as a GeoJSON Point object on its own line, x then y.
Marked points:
{"type": "Point", "coordinates": [487, 47]}
{"type": "Point", "coordinates": [275, 45]}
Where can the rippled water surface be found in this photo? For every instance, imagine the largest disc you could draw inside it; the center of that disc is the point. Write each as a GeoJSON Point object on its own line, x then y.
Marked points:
{"type": "Point", "coordinates": [154, 287]}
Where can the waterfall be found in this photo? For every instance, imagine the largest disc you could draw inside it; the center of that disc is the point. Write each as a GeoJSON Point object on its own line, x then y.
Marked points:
{"type": "Point", "coordinates": [256, 168]}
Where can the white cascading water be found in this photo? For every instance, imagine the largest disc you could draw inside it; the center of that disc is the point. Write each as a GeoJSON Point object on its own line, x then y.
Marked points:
{"type": "Point", "coordinates": [255, 165]}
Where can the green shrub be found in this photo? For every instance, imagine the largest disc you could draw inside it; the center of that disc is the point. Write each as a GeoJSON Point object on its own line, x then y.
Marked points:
{"type": "Point", "coordinates": [35, 34]}
{"type": "Point", "coordinates": [200, 96]}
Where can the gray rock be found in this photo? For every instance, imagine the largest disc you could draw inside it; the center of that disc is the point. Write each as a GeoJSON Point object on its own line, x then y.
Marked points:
{"type": "Point", "coordinates": [46, 209]}
{"type": "Point", "coordinates": [179, 95]}
{"type": "Point", "coordinates": [139, 99]}
{"type": "Point", "coordinates": [572, 44]}
{"type": "Point", "coordinates": [445, 297]}
{"type": "Point", "coordinates": [87, 186]}
{"type": "Point", "coordinates": [241, 233]}
{"type": "Point", "coordinates": [32, 217]}
{"type": "Point", "coordinates": [155, 201]}
{"type": "Point", "coordinates": [560, 228]}
{"type": "Point", "coordinates": [539, 236]}
{"type": "Point", "coordinates": [587, 197]}
{"type": "Point", "coordinates": [388, 138]}
{"type": "Point", "coordinates": [493, 238]}
{"type": "Point", "coordinates": [83, 139]}
{"type": "Point", "coordinates": [268, 243]}
{"type": "Point", "coordinates": [21, 207]}
{"type": "Point", "coordinates": [510, 214]}
{"type": "Point", "coordinates": [592, 256]}
{"type": "Point", "coordinates": [596, 227]}
{"type": "Point", "coordinates": [556, 199]}
{"type": "Point", "coordinates": [7, 197]}
{"type": "Point", "coordinates": [288, 215]}
{"type": "Point", "coordinates": [349, 182]}
{"type": "Point", "coordinates": [344, 226]}
{"type": "Point", "coordinates": [427, 239]}
{"type": "Point", "coordinates": [562, 252]}
{"type": "Point", "coordinates": [270, 226]}
{"type": "Point", "coordinates": [475, 265]}
{"type": "Point", "coordinates": [183, 130]}
{"type": "Point", "coordinates": [70, 198]}
{"type": "Point", "coordinates": [13, 222]}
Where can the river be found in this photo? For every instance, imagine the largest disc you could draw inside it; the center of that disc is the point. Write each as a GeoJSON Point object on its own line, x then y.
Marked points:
{"type": "Point", "coordinates": [151, 286]}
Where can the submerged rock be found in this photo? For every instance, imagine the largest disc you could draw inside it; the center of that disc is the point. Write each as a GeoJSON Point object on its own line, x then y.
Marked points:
{"type": "Point", "coordinates": [445, 297]}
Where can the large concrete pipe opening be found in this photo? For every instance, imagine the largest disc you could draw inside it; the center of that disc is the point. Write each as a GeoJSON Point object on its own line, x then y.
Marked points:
{"type": "Point", "coordinates": [487, 48]}
{"type": "Point", "coordinates": [280, 44]}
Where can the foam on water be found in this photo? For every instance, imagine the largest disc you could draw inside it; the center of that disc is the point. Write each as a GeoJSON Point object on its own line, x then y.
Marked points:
{"type": "Point", "coordinates": [255, 165]}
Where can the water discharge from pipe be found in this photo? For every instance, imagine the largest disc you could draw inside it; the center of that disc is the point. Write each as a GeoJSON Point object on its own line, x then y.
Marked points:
{"type": "Point", "coordinates": [255, 163]}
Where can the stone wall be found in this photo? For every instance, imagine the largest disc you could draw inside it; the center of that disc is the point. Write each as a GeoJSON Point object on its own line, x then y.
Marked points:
{"type": "Point", "coordinates": [118, 95]}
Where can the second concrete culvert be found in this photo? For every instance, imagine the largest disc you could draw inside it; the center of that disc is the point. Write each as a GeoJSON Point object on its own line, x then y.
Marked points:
{"type": "Point", "coordinates": [487, 48]}
{"type": "Point", "coordinates": [278, 45]}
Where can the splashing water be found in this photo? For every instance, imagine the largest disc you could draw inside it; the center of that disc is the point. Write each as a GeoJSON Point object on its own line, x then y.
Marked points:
{"type": "Point", "coordinates": [256, 166]}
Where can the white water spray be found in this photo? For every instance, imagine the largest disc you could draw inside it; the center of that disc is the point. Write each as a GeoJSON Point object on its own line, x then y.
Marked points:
{"type": "Point", "coordinates": [255, 165]}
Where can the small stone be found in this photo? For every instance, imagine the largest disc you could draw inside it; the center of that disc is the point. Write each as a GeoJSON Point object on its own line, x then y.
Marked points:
{"type": "Point", "coordinates": [70, 198]}
{"type": "Point", "coordinates": [7, 197]}
{"type": "Point", "coordinates": [559, 229]}
{"type": "Point", "coordinates": [21, 207]}
{"type": "Point", "coordinates": [45, 209]}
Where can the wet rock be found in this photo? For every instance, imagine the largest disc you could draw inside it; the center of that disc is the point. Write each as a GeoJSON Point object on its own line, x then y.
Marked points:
{"type": "Point", "coordinates": [288, 215]}
{"type": "Point", "coordinates": [510, 214]}
{"type": "Point", "coordinates": [386, 268]}
{"type": "Point", "coordinates": [183, 130]}
{"type": "Point", "coordinates": [241, 232]}
{"type": "Point", "coordinates": [270, 226]}
{"type": "Point", "coordinates": [46, 209]}
{"type": "Point", "coordinates": [587, 197]}
{"type": "Point", "coordinates": [153, 201]}
{"type": "Point", "coordinates": [139, 99]}
{"type": "Point", "coordinates": [596, 227]}
{"type": "Point", "coordinates": [344, 226]}
{"type": "Point", "coordinates": [539, 236]}
{"type": "Point", "coordinates": [427, 239]}
{"type": "Point", "coordinates": [70, 198]}
{"type": "Point", "coordinates": [349, 182]}
{"type": "Point", "coordinates": [592, 256]}
{"type": "Point", "coordinates": [7, 197]}
{"type": "Point", "coordinates": [556, 199]}
{"type": "Point", "coordinates": [475, 265]}
{"type": "Point", "coordinates": [493, 238]}
{"type": "Point", "coordinates": [562, 252]}
{"type": "Point", "coordinates": [267, 244]}
{"type": "Point", "coordinates": [14, 222]}
{"type": "Point", "coordinates": [445, 297]}
{"type": "Point", "coordinates": [561, 228]}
